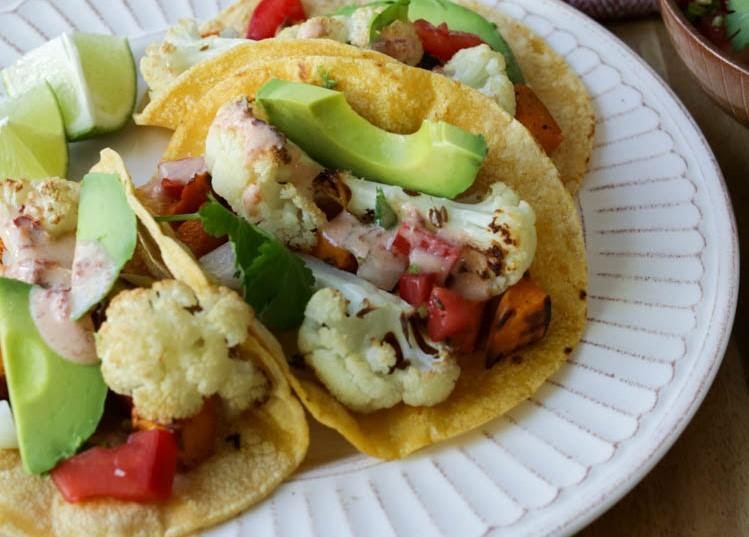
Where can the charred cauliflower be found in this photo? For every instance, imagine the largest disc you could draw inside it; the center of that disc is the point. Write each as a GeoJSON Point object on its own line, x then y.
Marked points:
{"type": "Point", "coordinates": [485, 70]}
{"type": "Point", "coordinates": [169, 350]}
{"type": "Point", "coordinates": [51, 204]}
{"type": "Point", "coordinates": [183, 47]}
{"type": "Point", "coordinates": [498, 233]}
{"type": "Point", "coordinates": [363, 348]}
{"type": "Point", "coordinates": [265, 178]}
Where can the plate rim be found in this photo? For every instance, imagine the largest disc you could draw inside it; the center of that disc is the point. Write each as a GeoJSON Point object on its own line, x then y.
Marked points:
{"type": "Point", "coordinates": [723, 310]}
{"type": "Point", "coordinates": [728, 299]}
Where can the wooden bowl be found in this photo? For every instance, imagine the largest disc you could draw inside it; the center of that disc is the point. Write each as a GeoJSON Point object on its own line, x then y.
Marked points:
{"type": "Point", "coordinates": [723, 78]}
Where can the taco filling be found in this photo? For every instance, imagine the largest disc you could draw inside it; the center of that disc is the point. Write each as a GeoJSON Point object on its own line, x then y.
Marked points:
{"type": "Point", "coordinates": [117, 378]}
{"type": "Point", "coordinates": [407, 285]}
{"type": "Point", "coordinates": [437, 35]}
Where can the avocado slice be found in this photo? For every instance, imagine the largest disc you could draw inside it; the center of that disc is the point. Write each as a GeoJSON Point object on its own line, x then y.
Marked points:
{"type": "Point", "coordinates": [57, 404]}
{"type": "Point", "coordinates": [439, 159]}
{"type": "Point", "coordinates": [105, 240]}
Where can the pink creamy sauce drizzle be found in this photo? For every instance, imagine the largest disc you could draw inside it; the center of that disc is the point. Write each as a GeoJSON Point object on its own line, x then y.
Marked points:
{"type": "Point", "coordinates": [73, 340]}
{"type": "Point", "coordinates": [32, 256]}
{"type": "Point", "coordinates": [93, 273]}
{"type": "Point", "coordinates": [469, 273]}
{"type": "Point", "coordinates": [258, 137]}
{"type": "Point", "coordinates": [371, 245]}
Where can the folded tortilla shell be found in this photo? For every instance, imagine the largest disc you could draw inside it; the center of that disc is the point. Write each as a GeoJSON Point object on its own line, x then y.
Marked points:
{"type": "Point", "coordinates": [398, 98]}
{"type": "Point", "coordinates": [545, 71]}
{"type": "Point", "coordinates": [273, 441]}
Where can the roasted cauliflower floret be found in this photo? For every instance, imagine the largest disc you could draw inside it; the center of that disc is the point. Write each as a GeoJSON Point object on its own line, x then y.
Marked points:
{"type": "Point", "coordinates": [485, 70]}
{"type": "Point", "coordinates": [359, 24]}
{"type": "Point", "coordinates": [170, 349]}
{"type": "Point", "coordinates": [183, 46]}
{"type": "Point", "coordinates": [265, 178]}
{"type": "Point", "coordinates": [51, 204]}
{"type": "Point", "coordinates": [361, 344]}
{"type": "Point", "coordinates": [498, 234]}
{"type": "Point", "coordinates": [317, 28]}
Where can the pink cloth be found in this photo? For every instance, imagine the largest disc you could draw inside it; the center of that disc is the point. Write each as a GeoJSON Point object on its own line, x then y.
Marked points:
{"type": "Point", "coordinates": [614, 9]}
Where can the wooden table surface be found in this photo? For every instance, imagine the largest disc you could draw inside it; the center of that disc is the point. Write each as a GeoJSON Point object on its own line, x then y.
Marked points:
{"type": "Point", "coordinates": [701, 487]}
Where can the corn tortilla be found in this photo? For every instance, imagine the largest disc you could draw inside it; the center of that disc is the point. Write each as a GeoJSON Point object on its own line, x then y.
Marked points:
{"type": "Point", "coordinates": [545, 71]}
{"type": "Point", "coordinates": [398, 98]}
{"type": "Point", "coordinates": [274, 440]}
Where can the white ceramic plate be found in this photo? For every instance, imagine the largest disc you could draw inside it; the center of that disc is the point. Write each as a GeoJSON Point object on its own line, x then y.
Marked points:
{"type": "Point", "coordinates": [663, 279]}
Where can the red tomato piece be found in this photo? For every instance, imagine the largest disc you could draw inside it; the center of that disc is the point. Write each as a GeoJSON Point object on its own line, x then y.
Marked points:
{"type": "Point", "coordinates": [441, 42]}
{"type": "Point", "coordinates": [173, 189]}
{"type": "Point", "coordinates": [416, 288]}
{"type": "Point", "coordinates": [271, 15]}
{"type": "Point", "coordinates": [426, 251]}
{"type": "Point", "coordinates": [400, 245]}
{"type": "Point", "coordinates": [452, 316]}
{"type": "Point", "coordinates": [194, 194]}
{"type": "Point", "coordinates": [142, 470]}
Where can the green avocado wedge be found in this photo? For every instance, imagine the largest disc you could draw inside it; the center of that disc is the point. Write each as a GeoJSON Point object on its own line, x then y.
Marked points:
{"type": "Point", "coordinates": [57, 404]}
{"type": "Point", "coordinates": [438, 159]}
{"type": "Point", "coordinates": [105, 240]}
{"type": "Point", "coordinates": [462, 19]}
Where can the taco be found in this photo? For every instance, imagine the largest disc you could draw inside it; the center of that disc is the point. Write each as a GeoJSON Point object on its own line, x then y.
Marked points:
{"type": "Point", "coordinates": [419, 317]}
{"type": "Point", "coordinates": [467, 42]}
{"type": "Point", "coordinates": [185, 422]}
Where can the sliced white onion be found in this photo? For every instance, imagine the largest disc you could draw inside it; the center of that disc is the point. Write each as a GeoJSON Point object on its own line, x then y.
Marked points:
{"type": "Point", "coordinates": [382, 268]}
{"type": "Point", "coordinates": [182, 170]}
{"type": "Point", "coordinates": [345, 231]}
{"type": "Point", "coordinates": [8, 438]}
{"type": "Point", "coordinates": [221, 264]}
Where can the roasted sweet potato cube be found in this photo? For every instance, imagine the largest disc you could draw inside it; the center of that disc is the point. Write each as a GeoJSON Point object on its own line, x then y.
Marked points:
{"type": "Point", "coordinates": [194, 236]}
{"type": "Point", "coordinates": [333, 255]}
{"type": "Point", "coordinates": [534, 115]}
{"type": "Point", "coordinates": [196, 436]}
{"type": "Point", "coordinates": [522, 317]}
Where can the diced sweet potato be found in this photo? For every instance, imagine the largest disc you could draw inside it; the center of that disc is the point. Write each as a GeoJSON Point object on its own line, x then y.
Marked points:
{"type": "Point", "coordinates": [522, 317]}
{"type": "Point", "coordinates": [192, 233]}
{"type": "Point", "coordinates": [196, 436]}
{"type": "Point", "coordinates": [333, 255]}
{"type": "Point", "coordinates": [534, 115]}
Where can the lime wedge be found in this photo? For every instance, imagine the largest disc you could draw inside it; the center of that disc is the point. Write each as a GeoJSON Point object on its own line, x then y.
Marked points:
{"type": "Point", "coordinates": [92, 76]}
{"type": "Point", "coordinates": [32, 137]}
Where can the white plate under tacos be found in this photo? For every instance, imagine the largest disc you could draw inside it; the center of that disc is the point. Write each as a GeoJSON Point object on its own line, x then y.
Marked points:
{"type": "Point", "coordinates": [663, 262]}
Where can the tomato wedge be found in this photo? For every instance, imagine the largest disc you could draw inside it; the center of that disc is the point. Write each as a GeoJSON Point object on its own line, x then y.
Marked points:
{"type": "Point", "coordinates": [193, 195]}
{"type": "Point", "coordinates": [172, 189]}
{"type": "Point", "coordinates": [441, 42]}
{"type": "Point", "coordinates": [452, 316]}
{"type": "Point", "coordinates": [271, 15]}
{"type": "Point", "coordinates": [142, 470]}
{"type": "Point", "coordinates": [416, 288]}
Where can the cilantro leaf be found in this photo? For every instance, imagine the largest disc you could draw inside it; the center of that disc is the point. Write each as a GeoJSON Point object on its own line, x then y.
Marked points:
{"type": "Point", "coordinates": [275, 282]}
{"type": "Point", "coordinates": [327, 82]}
{"type": "Point", "coordinates": [737, 23]}
{"type": "Point", "coordinates": [384, 214]}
